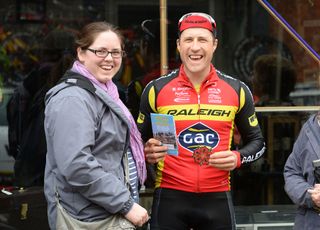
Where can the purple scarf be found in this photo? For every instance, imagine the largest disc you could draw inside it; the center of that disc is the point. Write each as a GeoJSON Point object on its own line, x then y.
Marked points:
{"type": "Point", "coordinates": [135, 136]}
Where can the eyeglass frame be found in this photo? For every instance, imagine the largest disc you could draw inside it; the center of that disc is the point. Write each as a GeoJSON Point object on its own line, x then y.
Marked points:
{"type": "Point", "coordinates": [207, 16]}
{"type": "Point", "coordinates": [121, 52]}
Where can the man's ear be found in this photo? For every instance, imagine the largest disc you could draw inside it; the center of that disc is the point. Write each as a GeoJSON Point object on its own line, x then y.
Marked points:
{"type": "Point", "coordinates": [215, 44]}
{"type": "Point", "coordinates": [178, 44]}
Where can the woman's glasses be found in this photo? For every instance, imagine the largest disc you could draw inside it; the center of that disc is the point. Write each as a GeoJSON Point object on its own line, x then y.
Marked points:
{"type": "Point", "coordinates": [103, 53]}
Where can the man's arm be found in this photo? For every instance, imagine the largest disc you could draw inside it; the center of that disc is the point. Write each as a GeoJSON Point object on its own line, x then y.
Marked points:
{"type": "Point", "coordinates": [247, 123]}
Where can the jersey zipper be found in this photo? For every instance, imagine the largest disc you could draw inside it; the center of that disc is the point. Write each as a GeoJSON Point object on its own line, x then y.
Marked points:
{"type": "Point", "coordinates": [199, 107]}
{"type": "Point", "coordinates": [198, 167]}
{"type": "Point", "coordinates": [199, 119]}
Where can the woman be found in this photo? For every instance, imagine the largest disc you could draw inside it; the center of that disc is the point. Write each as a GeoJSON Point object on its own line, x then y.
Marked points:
{"type": "Point", "coordinates": [301, 174]}
{"type": "Point", "coordinates": [89, 139]}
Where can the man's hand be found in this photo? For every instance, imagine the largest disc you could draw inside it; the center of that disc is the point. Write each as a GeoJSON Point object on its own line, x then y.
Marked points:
{"type": "Point", "coordinates": [224, 160]}
{"type": "Point", "coordinates": [137, 215]}
{"type": "Point", "coordinates": [154, 151]}
{"type": "Point", "coordinates": [315, 194]}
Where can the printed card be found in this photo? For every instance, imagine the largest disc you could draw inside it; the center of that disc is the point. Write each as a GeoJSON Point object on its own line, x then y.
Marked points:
{"type": "Point", "coordinates": [164, 130]}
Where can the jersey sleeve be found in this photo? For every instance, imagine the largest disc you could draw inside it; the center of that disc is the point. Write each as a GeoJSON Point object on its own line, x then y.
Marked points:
{"type": "Point", "coordinates": [147, 106]}
{"type": "Point", "coordinates": [253, 145]}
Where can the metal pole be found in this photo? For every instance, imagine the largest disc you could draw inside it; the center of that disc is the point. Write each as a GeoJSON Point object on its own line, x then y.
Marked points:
{"type": "Point", "coordinates": [163, 37]}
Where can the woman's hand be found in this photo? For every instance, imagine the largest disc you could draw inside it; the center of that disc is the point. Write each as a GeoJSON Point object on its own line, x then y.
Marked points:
{"type": "Point", "coordinates": [137, 215]}
{"type": "Point", "coordinates": [154, 151]}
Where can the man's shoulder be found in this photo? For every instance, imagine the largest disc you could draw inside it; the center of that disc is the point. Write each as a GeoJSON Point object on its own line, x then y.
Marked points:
{"type": "Point", "coordinates": [223, 75]}
{"type": "Point", "coordinates": [164, 79]}
{"type": "Point", "coordinates": [313, 121]}
{"type": "Point", "coordinates": [169, 76]}
{"type": "Point", "coordinates": [235, 82]}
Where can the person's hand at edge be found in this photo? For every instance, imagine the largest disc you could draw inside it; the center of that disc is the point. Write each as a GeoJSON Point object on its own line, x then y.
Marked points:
{"type": "Point", "coordinates": [154, 151]}
{"type": "Point", "coordinates": [137, 215]}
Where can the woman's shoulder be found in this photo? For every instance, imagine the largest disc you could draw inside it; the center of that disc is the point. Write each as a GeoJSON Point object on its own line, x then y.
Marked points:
{"type": "Point", "coordinates": [64, 90]}
{"type": "Point", "coordinates": [73, 99]}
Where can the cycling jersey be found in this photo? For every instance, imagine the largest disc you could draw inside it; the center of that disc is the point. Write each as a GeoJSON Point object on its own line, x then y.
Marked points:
{"type": "Point", "coordinates": [204, 118]}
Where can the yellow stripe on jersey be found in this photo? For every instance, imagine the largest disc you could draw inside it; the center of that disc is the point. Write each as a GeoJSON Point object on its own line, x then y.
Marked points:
{"type": "Point", "coordinates": [229, 179]}
{"type": "Point", "coordinates": [206, 112]}
{"type": "Point", "coordinates": [160, 166]}
{"type": "Point", "coordinates": [253, 121]}
{"type": "Point", "coordinates": [198, 130]}
{"type": "Point", "coordinates": [231, 135]}
{"type": "Point", "coordinates": [242, 98]}
{"type": "Point", "coordinates": [152, 99]}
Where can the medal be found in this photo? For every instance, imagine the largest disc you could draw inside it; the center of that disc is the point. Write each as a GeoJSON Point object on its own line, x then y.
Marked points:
{"type": "Point", "coordinates": [201, 155]}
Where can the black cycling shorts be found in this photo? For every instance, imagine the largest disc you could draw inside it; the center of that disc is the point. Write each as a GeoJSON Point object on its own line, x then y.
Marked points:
{"type": "Point", "coordinates": [178, 210]}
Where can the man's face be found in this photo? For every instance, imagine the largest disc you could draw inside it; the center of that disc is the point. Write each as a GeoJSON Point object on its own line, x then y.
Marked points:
{"type": "Point", "coordinates": [196, 47]}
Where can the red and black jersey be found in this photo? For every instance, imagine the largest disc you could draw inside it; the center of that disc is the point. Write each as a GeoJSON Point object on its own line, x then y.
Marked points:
{"type": "Point", "coordinates": [206, 117]}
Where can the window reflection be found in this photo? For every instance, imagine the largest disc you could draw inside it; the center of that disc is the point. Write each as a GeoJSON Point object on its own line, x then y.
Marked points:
{"type": "Point", "coordinates": [253, 46]}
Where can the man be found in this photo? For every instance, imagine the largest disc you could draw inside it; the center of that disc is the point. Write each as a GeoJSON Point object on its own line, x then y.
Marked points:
{"type": "Point", "coordinates": [192, 190]}
{"type": "Point", "coordinates": [302, 175]}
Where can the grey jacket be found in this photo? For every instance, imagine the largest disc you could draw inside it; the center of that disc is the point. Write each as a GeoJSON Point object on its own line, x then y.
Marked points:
{"type": "Point", "coordinates": [86, 141]}
{"type": "Point", "coordinates": [299, 176]}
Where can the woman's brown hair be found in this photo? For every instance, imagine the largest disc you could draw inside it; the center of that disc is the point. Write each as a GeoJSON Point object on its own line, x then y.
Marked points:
{"type": "Point", "coordinates": [89, 32]}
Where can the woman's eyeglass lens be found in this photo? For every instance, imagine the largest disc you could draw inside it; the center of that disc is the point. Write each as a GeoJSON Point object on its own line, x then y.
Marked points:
{"type": "Point", "coordinates": [105, 53]}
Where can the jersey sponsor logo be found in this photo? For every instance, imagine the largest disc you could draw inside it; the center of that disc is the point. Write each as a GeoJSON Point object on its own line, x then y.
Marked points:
{"type": "Point", "coordinates": [252, 157]}
{"type": "Point", "coordinates": [215, 101]}
{"type": "Point", "coordinates": [253, 121]}
{"type": "Point", "coordinates": [140, 118]}
{"type": "Point", "coordinates": [208, 112]}
{"type": "Point", "coordinates": [215, 91]}
{"type": "Point", "coordinates": [181, 89]}
{"type": "Point", "coordinates": [213, 98]}
{"type": "Point", "coordinates": [197, 136]}
{"type": "Point", "coordinates": [181, 100]}
{"type": "Point", "coordinates": [214, 95]}
{"type": "Point", "coordinates": [182, 95]}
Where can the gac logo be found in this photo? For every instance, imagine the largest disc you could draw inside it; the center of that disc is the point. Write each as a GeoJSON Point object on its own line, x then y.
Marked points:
{"type": "Point", "coordinates": [198, 135]}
